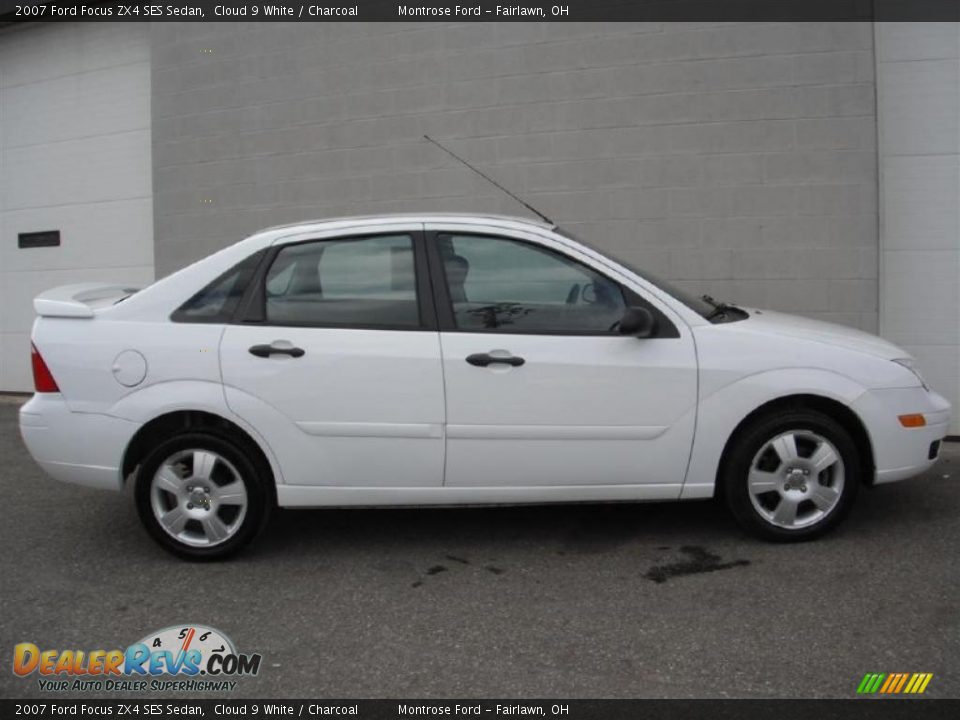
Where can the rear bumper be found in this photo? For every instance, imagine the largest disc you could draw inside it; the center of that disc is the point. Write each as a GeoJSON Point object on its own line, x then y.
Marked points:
{"type": "Point", "coordinates": [901, 452]}
{"type": "Point", "coordinates": [82, 448]}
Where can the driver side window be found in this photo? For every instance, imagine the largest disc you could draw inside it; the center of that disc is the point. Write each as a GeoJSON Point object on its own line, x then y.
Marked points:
{"type": "Point", "coordinates": [508, 286]}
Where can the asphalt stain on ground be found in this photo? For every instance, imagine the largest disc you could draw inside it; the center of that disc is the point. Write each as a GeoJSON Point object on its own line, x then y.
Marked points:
{"type": "Point", "coordinates": [699, 560]}
{"type": "Point", "coordinates": [434, 570]}
{"type": "Point", "coordinates": [437, 569]}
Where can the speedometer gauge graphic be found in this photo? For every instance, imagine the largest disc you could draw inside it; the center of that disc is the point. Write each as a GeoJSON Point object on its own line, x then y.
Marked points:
{"type": "Point", "coordinates": [180, 639]}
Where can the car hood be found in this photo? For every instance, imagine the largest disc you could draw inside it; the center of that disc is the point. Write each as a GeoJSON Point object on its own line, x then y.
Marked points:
{"type": "Point", "coordinates": [770, 322]}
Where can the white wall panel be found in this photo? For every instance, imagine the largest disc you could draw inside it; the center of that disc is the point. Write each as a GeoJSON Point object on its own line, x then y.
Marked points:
{"type": "Point", "coordinates": [918, 114]}
{"type": "Point", "coordinates": [110, 100]}
{"type": "Point", "coordinates": [69, 172]}
{"type": "Point", "coordinates": [75, 156]}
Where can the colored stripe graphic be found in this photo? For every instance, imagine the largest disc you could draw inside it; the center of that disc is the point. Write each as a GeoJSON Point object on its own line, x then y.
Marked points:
{"type": "Point", "coordinates": [918, 683]}
{"type": "Point", "coordinates": [914, 683]}
{"type": "Point", "coordinates": [870, 683]}
{"type": "Point", "coordinates": [894, 683]}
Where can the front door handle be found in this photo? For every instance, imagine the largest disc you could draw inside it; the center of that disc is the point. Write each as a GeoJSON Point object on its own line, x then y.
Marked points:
{"type": "Point", "coordinates": [484, 359]}
{"type": "Point", "coordinates": [268, 350]}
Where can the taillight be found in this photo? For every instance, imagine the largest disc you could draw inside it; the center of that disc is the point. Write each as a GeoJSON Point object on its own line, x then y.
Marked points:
{"type": "Point", "coordinates": [42, 377]}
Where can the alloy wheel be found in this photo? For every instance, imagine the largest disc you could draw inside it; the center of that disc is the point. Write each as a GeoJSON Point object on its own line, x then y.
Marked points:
{"type": "Point", "coordinates": [796, 479]}
{"type": "Point", "coordinates": [198, 497]}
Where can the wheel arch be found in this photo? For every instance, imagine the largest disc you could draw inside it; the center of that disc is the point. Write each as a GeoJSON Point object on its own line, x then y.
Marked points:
{"type": "Point", "coordinates": [179, 421]}
{"type": "Point", "coordinates": [842, 413]}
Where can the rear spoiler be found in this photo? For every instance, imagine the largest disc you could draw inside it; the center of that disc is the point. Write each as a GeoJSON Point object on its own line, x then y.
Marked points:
{"type": "Point", "coordinates": [79, 301]}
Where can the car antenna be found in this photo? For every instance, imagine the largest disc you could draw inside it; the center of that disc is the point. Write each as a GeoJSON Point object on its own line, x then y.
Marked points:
{"type": "Point", "coordinates": [490, 180]}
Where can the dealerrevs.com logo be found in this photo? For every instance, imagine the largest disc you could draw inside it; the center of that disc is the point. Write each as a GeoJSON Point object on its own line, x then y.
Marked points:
{"type": "Point", "coordinates": [181, 657]}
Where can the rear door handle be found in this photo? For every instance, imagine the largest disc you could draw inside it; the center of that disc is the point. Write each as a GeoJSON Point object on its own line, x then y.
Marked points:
{"type": "Point", "coordinates": [484, 359]}
{"type": "Point", "coordinates": [268, 350]}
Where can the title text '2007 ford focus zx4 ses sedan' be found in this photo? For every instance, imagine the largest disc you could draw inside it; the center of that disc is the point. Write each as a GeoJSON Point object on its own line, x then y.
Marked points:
{"type": "Point", "coordinates": [426, 360]}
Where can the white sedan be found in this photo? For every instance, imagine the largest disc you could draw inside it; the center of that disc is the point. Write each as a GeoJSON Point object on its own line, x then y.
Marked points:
{"type": "Point", "coordinates": [449, 359]}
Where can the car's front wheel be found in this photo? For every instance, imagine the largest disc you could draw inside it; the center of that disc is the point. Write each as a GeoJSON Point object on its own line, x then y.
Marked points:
{"type": "Point", "coordinates": [792, 475]}
{"type": "Point", "coordinates": [201, 496]}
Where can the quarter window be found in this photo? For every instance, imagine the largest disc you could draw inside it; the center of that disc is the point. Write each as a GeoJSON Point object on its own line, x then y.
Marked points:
{"type": "Point", "coordinates": [217, 302]}
{"type": "Point", "coordinates": [352, 282]}
{"type": "Point", "coordinates": [507, 286]}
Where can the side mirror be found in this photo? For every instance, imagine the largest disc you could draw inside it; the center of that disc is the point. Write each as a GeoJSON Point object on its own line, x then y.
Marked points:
{"type": "Point", "coordinates": [638, 322]}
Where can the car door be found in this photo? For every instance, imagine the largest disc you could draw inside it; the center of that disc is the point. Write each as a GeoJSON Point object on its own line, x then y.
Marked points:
{"type": "Point", "coordinates": [337, 361]}
{"type": "Point", "coordinates": [541, 388]}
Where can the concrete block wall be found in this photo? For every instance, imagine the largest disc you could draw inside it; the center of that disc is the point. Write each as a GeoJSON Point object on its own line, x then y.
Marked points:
{"type": "Point", "coordinates": [737, 159]}
{"type": "Point", "coordinates": [918, 72]}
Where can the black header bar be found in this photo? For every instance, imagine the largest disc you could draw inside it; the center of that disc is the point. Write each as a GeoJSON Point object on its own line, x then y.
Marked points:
{"type": "Point", "coordinates": [13, 11]}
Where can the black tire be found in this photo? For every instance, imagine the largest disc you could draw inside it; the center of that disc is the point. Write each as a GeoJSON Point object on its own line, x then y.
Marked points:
{"type": "Point", "coordinates": [750, 440]}
{"type": "Point", "coordinates": [256, 480]}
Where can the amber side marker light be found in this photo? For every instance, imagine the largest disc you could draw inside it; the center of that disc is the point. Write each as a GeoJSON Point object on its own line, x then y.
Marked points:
{"type": "Point", "coordinates": [910, 421]}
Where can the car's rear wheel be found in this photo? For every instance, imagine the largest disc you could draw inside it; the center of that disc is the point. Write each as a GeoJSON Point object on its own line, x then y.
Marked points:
{"type": "Point", "coordinates": [791, 476]}
{"type": "Point", "coordinates": [201, 496]}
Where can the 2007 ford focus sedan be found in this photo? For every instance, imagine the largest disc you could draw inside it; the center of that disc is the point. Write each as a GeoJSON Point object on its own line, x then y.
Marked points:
{"type": "Point", "coordinates": [444, 359]}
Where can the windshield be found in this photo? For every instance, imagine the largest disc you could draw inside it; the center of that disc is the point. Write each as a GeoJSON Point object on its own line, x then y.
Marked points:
{"type": "Point", "coordinates": [698, 304]}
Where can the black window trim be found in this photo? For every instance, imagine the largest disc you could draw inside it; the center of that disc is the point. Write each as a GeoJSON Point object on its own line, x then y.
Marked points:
{"type": "Point", "coordinates": [252, 308]}
{"type": "Point", "coordinates": [444, 307]}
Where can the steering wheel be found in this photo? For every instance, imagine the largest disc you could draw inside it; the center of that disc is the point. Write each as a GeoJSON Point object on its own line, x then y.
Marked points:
{"type": "Point", "coordinates": [574, 294]}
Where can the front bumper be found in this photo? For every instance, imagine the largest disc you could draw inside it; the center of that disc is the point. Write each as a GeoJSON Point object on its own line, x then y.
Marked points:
{"type": "Point", "coordinates": [900, 452]}
{"type": "Point", "coordinates": [82, 448]}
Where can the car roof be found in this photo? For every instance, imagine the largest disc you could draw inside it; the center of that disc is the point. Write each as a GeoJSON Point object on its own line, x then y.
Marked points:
{"type": "Point", "coordinates": [458, 218]}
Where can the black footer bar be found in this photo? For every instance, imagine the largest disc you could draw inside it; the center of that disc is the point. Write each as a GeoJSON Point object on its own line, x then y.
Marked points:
{"type": "Point", "coordinates": [857, 709]}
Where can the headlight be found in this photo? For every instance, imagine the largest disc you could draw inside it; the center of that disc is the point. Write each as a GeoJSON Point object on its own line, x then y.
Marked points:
{"type": "Point", "coordinates": [909, 364]}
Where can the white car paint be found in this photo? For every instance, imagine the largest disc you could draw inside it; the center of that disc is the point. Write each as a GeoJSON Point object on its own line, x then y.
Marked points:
{"type": "Point", "coordinates": [361, 408]}
{"type": "Point", "coordinates": [383, 417]}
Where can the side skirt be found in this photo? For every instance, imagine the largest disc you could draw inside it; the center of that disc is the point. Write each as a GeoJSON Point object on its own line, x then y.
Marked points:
{"type": "Point", "coordinates": [327, 496]}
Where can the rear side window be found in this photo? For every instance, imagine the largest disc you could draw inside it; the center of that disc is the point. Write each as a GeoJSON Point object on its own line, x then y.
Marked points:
{"type": "Point", "coordinates": [346, 282]}
{"type": "Point", "coordinates": [218, 301]}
